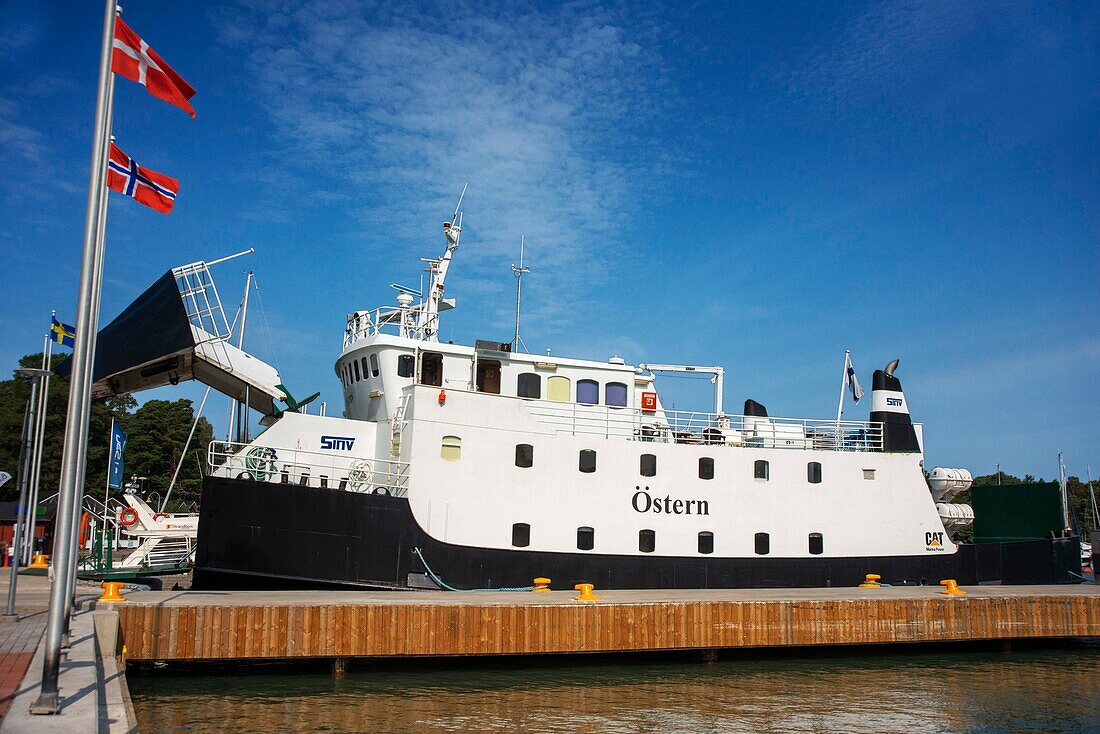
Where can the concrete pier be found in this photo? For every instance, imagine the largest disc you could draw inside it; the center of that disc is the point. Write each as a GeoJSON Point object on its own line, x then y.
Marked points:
{"type": "Point", "coordinates": [337, 624]}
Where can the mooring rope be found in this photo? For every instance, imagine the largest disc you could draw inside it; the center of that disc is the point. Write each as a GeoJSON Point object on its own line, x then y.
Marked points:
{"type": "Point", "coordinates": [448, 587]}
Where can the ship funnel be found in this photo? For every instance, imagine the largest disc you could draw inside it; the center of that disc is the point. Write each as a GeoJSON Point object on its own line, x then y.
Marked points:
{"type": "Point", "coordinates": [888, 407]}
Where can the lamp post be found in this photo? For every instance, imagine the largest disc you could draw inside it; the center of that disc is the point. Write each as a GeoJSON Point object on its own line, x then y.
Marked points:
{"type": "Point", "coordinates": [30, 426]}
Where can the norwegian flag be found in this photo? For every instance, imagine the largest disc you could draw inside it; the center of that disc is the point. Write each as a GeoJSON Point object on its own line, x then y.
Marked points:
{"type": "Point", "coordinates": [154, 190]}
{"type": "Point", "coordinates": [133, 59]}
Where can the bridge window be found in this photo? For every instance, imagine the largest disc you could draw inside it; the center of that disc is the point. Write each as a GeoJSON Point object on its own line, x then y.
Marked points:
{"type": "Point", "coordinates": [706, 467]}
{"type": "Point", "coordinates": [760, 470]}
{"type": "Point", "coordinates": [615, 394]}
{"type": "Point", "coordinates": [525, 455]}
{"type": "Point", "coordinates": [586, 538]}
{"type": "Point", "coordinates": [451, 449]}
{"type": "Point", "coordinates": [813, 472]}
{"type": "Point", "coordinates": [649, 465]}
{"type": "Point", "coordinates": [588, 461]}
{"type": "Point", "coordinates": [521, 535]}
{"type": "Point", "coordinates": [431, 369]}
{"type": "Point", "coordinates": [374, 365]}
{"type": "Point", "coordinates": [488, 376]}
{"type": "Point", "coordinates": [365, 373]}
{"type": "Point", "coordinates": [762, 544]}
{"type": "Point", "coordinates": [588, 392]}
{"type": "Point", "coordinates": [529, 385]}
{"type": "Point", "coordinates": [647, 541]}
{"type": "Point", "coordinates": [557, 389]}
{"type": "Point", "coordinates": [355, 367]}
{"type": "Point", "coordinates": [817, 544]}
{"type": "Point", "coordinates": [706, 542]}
{"type": "Point", "coordinates": [406, 365]}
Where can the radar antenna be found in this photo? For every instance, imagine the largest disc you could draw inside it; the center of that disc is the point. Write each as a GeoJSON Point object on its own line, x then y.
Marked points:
{"type": "Point", "coordinates": [437, 275]}
{"type": "Point", "coordinates": [519, 272]}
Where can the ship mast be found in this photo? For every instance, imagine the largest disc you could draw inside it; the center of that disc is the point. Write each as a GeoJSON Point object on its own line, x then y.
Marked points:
{"type": "Point", "coordinates": [519, 272]}
{"type": "Point", "coordinates": [428, 326]}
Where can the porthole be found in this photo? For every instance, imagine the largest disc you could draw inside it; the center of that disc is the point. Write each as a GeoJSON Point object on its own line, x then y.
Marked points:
{"type": "Point", "coordinates": [813, 472]}
{"type": "Point", "coordinates": [586, 538]}
{"type": "Point", "coordinates": [521, 535]}
{"type": "Point", "coordinates": [525, 455]}
{"type": "Point", "coordinates": [587, 461]}
{"type": "Point", "coordinates": [817, 544]}
{"type": "Point", "coordinates": [762, 544]}
{"type": "Point", "coordinates": [760, 469]}
{"type": "Point", "coordinates": [647, 541]}
{"type": "Point", "coordinates": [706, 542]}
{"type": "Point", "coordinates": [648, 465]}
{"type": "Point", "coordinates": [706, 467]}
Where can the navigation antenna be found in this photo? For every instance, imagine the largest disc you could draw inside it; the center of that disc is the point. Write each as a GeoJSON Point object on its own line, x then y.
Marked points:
{"type": "Point", "coordinates": [433, 303]}
{"type": "Point", "coordinates": [519, 272]}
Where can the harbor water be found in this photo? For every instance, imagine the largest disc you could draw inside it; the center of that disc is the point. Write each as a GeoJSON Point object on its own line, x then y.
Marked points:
{"type": "Point", "coordinates": [961, 688]}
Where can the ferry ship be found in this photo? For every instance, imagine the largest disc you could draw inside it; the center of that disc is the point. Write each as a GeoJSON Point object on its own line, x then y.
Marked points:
{"type": "Point", "coordinates": [484, 467]}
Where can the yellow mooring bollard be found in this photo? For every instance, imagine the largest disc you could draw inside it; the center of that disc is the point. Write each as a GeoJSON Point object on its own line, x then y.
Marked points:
{"type": "Point", "coordinates": [110, 592]}
{"type": "Point", "coordinates": [586, 593]}
{"type": "Point", "coordinates": [40, 560]}
{"type": "Point", "coordinates": [871, 582]}
{"type": "Point", "coordinates": [952, 588]}
{"type": "Point", "coordinates": [541, 584]}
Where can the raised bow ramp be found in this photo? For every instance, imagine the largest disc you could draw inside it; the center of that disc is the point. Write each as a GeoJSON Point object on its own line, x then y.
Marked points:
{"type": "Point", "coordinates": [176, 330]}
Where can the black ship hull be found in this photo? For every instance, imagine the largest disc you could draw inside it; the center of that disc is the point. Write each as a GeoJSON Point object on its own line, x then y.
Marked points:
{"type": "Point", "coordinates": [277, 536]}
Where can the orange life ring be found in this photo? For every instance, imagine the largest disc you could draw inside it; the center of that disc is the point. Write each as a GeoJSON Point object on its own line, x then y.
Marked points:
{"type": "Point", "coordinates": [84, 520]}
{"type": "Point", "coordinates": [128, 517]}
{"type": "Point", "coordinates": [159, 516]}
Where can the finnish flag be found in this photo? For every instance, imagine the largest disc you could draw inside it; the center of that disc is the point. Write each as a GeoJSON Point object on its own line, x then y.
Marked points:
{"type": "Point", "coordinates": [850, 378]}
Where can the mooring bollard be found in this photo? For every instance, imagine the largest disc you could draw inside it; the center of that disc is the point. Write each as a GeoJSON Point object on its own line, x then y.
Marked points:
{"type": "Point", "coordinates": [110, 592]}
{"type": "Point", "coordinates": [541, 584]}
{"type": "Point", "coordinates": [952, 588]}
{"type": "Point", "coordinates": [41, 560]}
{"type": "Point", "coordinates": [871, 581]}
{"type": "Point", "coordinates": [586, 593]}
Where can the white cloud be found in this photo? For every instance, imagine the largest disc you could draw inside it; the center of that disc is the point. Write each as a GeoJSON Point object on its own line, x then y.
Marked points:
{"type": "Point", "coordinates": [541, 111]}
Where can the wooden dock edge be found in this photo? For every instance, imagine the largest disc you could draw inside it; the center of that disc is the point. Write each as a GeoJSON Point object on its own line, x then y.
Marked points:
{"type": "Point", "coordinates": [156, 632]}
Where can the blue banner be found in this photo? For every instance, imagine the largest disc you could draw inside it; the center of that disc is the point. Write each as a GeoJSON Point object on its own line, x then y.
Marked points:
{"type": "Point", "coordinates": [118, 449]}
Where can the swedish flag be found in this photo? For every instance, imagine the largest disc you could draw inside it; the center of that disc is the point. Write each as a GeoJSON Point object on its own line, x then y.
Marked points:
{"type": "Point", "coordinates": [62, 334]}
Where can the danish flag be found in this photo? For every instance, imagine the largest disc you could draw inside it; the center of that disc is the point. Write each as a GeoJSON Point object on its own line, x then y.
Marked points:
{"type": "Point", "coordinates": [133, 59]}
{"type": "Point", "coordinates": [154, 190]}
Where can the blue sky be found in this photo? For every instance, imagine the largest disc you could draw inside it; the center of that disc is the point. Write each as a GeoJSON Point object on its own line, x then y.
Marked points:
{"type": "Point", "coordinates": [751, 185]}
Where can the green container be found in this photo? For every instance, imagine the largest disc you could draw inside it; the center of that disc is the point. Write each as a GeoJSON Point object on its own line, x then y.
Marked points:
{"type": "Point", "coordinates": [1016, 512]}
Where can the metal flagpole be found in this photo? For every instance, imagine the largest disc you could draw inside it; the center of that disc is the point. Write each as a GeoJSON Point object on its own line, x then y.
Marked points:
{"type": "Point", "coordinates": [76, 433]}
{"type": "Point", "coordinates": [40, 445]}
{"type": "Point", "coordinates": [24, 469]}
{"type": "Point", "coordinates": [843, 379]}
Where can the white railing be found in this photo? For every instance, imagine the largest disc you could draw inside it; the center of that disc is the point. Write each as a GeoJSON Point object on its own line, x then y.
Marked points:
{"type": "Point", "coordinates": [396, 320]}
{"type": "Point", "coordinates": [308, 468]}
{"type": "Point", "coordinates": [668, 426]}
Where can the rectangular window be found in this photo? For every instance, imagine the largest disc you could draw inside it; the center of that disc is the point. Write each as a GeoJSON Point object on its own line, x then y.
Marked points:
{"type": "Point", "coordinates": [706, 542]}
{"type": "Point", "coordinates": [817, 544]}
{"type": "Point", "coordinates": [647, 541]}
{"type": "Point", "coordinates": [365, 373]}
{"type": "Point", "coordinates": [557, 389]}
{"type": "Point", "coordinates": [813, 472]}
{"type": "Point", "coordinates": [451, 450]}
{"type": "Point", "coordinates": [706, 467]}
{"type": "Point", "coordinates": [588, 392]}
{"type": "Point", "coordinates": [649, 465]}
{"type": "Point", "coordinates": [587, 461]}
{"type": "Point", "coordinates": [529, 385]}
{"type": "Point", "coordinates": [762, 544]}
{"type": "Point", "coordinates": [521, 535]}
{"type": "Point", "coordinates": [374, 365]}
{"type": "Point", "coordinates": [586, 538]}
{"type": "Point", "coordinates": [525, 455]}
{"type": "Point", "coordinates": [615, 394]}
{"type": "Point", "coordinates": [760, 469]}
{"type": "Point", "coordinates": [868, 473]}
{"type": "Point", "coordinates": [406, 365]}
{"type": "Point", "coordinates": [431, 369]}
{"type": "Point", "coordinates": [355, 365]}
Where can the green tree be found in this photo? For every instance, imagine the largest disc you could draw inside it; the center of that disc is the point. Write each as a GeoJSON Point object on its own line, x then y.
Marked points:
{"type": "Point", "coordinates": [157, 432]}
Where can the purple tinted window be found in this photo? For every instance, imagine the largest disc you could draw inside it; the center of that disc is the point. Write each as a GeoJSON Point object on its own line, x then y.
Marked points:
{"type": "Point", "coordinates": [588, 392]}
{"type": "Point", "coordinates": [615, 394]}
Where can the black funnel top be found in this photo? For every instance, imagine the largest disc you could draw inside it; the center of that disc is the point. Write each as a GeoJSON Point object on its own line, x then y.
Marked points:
{"type": "Point", "coordinates": [755, 409]}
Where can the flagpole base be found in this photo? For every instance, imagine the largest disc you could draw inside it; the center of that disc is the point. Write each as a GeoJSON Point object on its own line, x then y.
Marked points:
{"type": "Point", "coordinates": [9, 618]}
{"type": "Point", "coordinates": [45, 705]}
